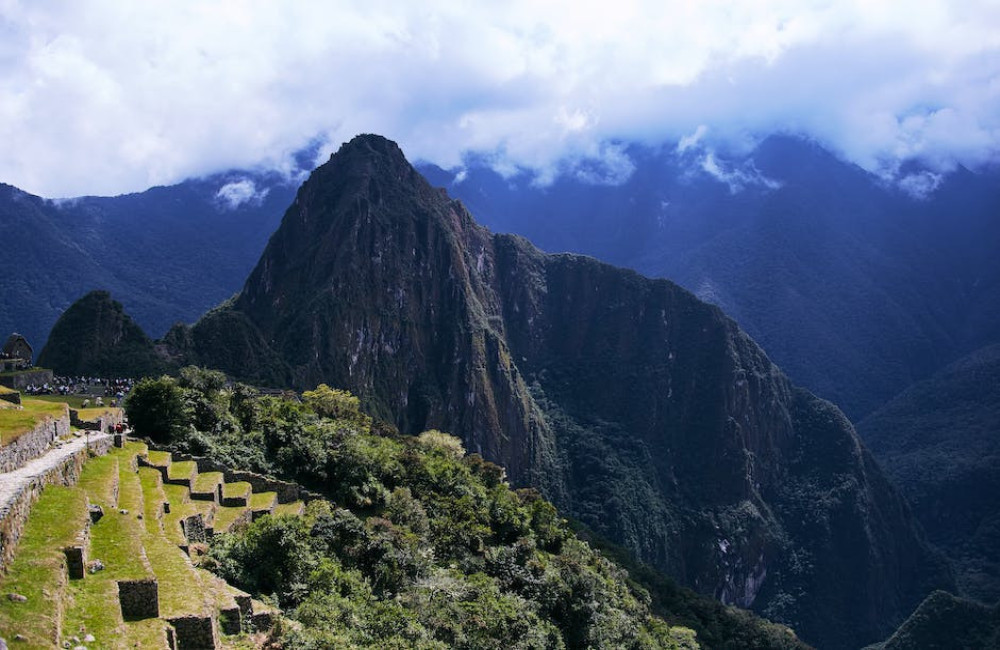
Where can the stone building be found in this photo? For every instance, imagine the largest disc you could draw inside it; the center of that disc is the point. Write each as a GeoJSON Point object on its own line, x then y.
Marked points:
{"type": "Point", "coordinates": [16, 353]}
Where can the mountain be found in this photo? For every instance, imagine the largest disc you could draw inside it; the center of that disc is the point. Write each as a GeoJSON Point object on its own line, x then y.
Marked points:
{"type": "Point", "coordinates": [96, 337]}
{"type": "Point", "coordinates": [642, 411]}
{"type": "Point", "coordinates": [169, 253]}
{"type": "Point", "coordinates": [944, 622]}
{"type": "Point", "coordinates": [940, 442]}
{"type": "Point", "coordinates": [854, 286]}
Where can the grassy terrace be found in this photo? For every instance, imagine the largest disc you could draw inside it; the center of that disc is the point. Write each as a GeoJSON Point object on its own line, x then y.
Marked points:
{"type": "Point", "coordinates": [226, 516]}
{"type": "Point", "coordinates": [37, 572]}
{"type": "Point", "coordinates": [207, 481]}
{"type": "Point", "coordinates": [94, 413]}
{"type": "Point", "coordinates": [181, 591]}
{"type": "Point", "coordinates": [293, 508]}
{"type": "Point", "coordinates": [263, 500]}
{"type": "Point", "coordinates": [160, 458]}
{"type": "Point", "coordinates": [182, 469]}
{"type": "Point", "coordinates": [117, 540]}
{"type": "Point", "coordinates": [16, 422]}
{"type": "Point", "coordinates": [237, 489]}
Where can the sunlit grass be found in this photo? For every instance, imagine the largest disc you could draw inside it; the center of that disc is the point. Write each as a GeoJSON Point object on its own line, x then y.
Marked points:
{"type": "Point", "coordinates": [16, 422]}
{"type": "Point", "coordinates": [38, 570]}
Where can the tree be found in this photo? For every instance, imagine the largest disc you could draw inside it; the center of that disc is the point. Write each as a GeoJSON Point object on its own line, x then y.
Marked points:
{"type": "Point", "coordinates": [156, 409]}
{"type": "Point", "coordinates": [333, 403]}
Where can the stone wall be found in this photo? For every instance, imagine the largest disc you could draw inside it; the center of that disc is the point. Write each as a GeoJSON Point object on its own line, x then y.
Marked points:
{"type": "Point", "coordinates": [32, 444]}
{"type": "Point", "coordinates": [14, 514]}
{"type": "Point", "coordinates": [139, 598]}
{"type": "Point", "coordinates": [23, 379]}
{"type": "Point", "coordinates": [286, 491]}
{"type": "Point", "coordinates": [76, 561]}
{"type": "Point", "coordinates": [195, 632]}
{"type": "Point", "coordinates": [13, 397]}
{"type": "Point", "coordinates": [105, 422]}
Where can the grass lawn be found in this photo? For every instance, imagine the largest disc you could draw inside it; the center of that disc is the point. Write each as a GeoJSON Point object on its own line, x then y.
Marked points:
{"type": "Point", "coordinates": [37, 572]}
{"type": "Point", "coordinates": [16, 422]}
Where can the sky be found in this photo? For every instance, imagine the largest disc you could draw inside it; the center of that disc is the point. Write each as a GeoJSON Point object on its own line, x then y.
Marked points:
{"type": "Point", "coordinates": [102, 97]}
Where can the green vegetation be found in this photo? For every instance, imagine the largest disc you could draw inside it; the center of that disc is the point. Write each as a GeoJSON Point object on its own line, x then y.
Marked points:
{"type": "Point", "coordinates": [15, 422]}
{"type": "Point", "coordinates": [946, 621]}
{"type": "Point", "coordinates": [96, 337]}
{"type": "Point", "coordinates": [426, 547]}
{"type": "Point", "coordinates": [38, 574]}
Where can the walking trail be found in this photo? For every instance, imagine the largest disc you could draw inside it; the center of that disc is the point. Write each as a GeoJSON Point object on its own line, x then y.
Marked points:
{"type": "Point", "coordinates": [12, 482]}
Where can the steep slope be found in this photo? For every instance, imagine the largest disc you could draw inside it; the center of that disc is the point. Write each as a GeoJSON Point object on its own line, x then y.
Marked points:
{"type": "Point", "coordinates": [792, 243]}
{"type": "Point", "coordinates": [96, 337]}
{"type": "Point", "coordinates": [168, 254]}
{"type": "Point", "coordinates": [643, 411]}
{"type": "Point", "coordinates": [943, 622]}
{"type": "Point", "coordinates": [940, 442]}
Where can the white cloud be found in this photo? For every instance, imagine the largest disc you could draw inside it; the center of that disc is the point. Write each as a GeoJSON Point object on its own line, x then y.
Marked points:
{"type": "Point", "coordinates": [237, 193]}
{"type": "Point", "coordinates": [106, 96]}
{"type": "Point", "coordinates": [736, 178]}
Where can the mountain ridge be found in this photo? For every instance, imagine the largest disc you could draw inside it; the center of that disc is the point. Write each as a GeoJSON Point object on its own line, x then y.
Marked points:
{"type": "Point", "coordinates": [647, 412]}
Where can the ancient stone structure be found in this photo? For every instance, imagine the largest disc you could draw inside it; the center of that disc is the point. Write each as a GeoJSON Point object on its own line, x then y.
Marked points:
{"type": "Point", "coordinates": [18, 348]}
{"type": "Point", "coordinates": [76, 561]}
{"type": "Point", "coordinates": [195, 632]}
{"type": "Point", "coordinates": [21, 379]}
{"type": "Point", "coordinates": [139, 598]}
{"type": "Point", "coordinates": [15, 509]}
{"type": "Point", "coordinates": [32, 444]}
{"type": "Point", "coordinates": [231, 620]}
{"type": "Point", "coordinates": [287, 492]}
{"type": "Point", "coordinates": [194, 529]}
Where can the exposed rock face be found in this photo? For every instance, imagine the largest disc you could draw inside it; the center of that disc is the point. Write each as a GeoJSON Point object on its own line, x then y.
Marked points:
{"type": "Point", "coordinates": [95, 336]}
{"type": "Point", "coordinates": [639, 409]}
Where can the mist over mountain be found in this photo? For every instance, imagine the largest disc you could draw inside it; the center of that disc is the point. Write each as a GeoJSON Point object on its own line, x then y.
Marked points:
{"type": "Point", "coordinates": [641, 410]}
{"type": "Point", "coordinates": [167, 254]}
{"type": "Point", "coordinates": [855, 286]}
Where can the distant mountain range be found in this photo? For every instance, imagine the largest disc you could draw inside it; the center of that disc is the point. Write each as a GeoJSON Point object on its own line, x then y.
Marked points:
{"type": "Point", "coordinates": [168, 253]}
{"type": "Point", "coordinates": [641, 410]}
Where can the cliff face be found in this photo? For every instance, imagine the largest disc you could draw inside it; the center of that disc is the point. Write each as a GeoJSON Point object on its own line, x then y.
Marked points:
{"type": "Point", "coordinates": [639, 409]}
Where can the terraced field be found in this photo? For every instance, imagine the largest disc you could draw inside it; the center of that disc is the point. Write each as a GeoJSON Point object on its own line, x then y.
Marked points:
{"type": "Point", "coordinates": [156, 516]}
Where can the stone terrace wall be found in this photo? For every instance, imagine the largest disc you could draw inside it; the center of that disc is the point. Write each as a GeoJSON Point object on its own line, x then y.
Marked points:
{"type": "Point", "coordinates": [33, 443]}
{"type": "Point", "coordinates": [108, 419]}
{"type": "Point", "coordinates": [287, 492]}
{"type": "Point", "coordinates": [15, 513]}
{"type": "Point", "coordinates": [23, 379]}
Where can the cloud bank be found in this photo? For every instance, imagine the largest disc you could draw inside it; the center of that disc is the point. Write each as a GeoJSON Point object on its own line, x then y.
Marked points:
{"type": "Point", "coordinates": [103, 97]}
